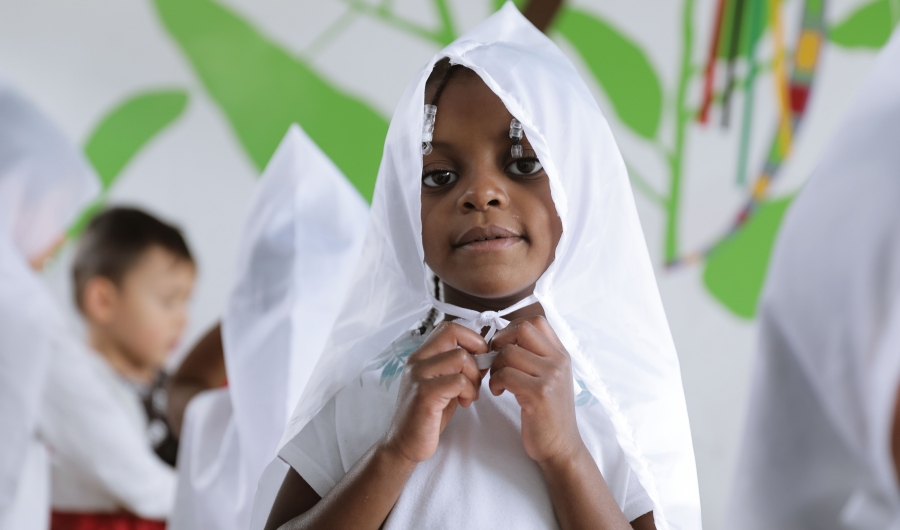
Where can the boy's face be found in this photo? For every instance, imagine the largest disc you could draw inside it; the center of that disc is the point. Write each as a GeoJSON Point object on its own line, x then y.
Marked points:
{"type": "Point", "coordinates": [146, 314]}
{"type": "Point", "coordinates": [489, 224]}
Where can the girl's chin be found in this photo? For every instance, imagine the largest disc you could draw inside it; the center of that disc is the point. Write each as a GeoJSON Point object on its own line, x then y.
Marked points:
{"type": "Point", "coordinates": [498, 291]}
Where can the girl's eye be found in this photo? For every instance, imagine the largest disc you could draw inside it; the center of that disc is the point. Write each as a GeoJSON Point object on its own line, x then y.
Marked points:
{"type": "Point", "coordinates": [525, 167]}
{"type": "Point", "coordinates": [439, 178]}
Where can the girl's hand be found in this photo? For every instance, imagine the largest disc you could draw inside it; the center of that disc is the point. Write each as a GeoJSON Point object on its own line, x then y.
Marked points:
{"type": "Point", "coordinates": [533, 364]}
{"type": "Point", "coordinates": [437, 377]}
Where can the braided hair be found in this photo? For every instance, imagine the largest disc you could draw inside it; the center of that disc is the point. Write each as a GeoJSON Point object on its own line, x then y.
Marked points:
{"type": "Point", "coordinates": [440, 75]}
{"type": "Point", "coordinates": [431, 318]}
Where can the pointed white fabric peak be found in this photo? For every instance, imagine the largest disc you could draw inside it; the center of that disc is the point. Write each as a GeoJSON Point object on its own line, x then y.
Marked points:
{"type": "Point", "coordinates": [301, 242]}
{"type": "Point", "coordinates": [816, 451]}
{"type": "Point", "coordinates": [599, 294]}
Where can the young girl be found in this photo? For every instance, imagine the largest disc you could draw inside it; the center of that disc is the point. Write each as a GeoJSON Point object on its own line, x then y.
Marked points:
{"type": "Point", "coordinates": [821, 449]}
{"type": "Point", "coordinates": [44, 184]}
{"type": "Point", "coordinates": [508, 194]}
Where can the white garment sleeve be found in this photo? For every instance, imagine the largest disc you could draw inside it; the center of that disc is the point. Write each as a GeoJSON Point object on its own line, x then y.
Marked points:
{"type": "Point", "coordinates": [637, 502]}
{"type": "Point", "coordinates": [315, 454]}
{"type": "Point", "coordinates": [83, 423]}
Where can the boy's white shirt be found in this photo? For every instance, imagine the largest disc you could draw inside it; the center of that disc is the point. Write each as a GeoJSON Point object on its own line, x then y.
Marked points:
{"type": "Point", "coordinates": [599, 295]}
{"type": "Point", "coordinates": [302, 240]}
{"type": "Point", "coordinates": [44, 183]}
{"type": "Point", "coordinates": [816, 451]}
{"type": "Point", "coordinates": [95, 425]}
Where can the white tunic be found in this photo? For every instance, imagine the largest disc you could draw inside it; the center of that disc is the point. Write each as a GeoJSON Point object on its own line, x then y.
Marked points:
{"type": "Point", "coordinates": [95, 426]}
{"type": "Point", "coordinates": [480, 455]}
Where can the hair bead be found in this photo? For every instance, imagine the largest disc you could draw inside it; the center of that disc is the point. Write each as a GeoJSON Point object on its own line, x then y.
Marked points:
{"type": "Point", "coordinates": [428, 128]}
{"type": "Point", "coordinates": [515, 133]}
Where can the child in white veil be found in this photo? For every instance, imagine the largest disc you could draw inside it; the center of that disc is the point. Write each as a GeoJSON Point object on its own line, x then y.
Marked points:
{"type": "Point", "coordinates": [303, 236]}
{"type": "Point", "coordinates": [510, 188]}
{"type": "Point", "coordinates": [821, 448]}
{"type": "Point", "coordinates": [44, 183]}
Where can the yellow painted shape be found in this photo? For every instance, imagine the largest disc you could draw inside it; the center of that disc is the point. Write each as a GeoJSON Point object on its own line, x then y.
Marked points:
{"type": "Point", "coordinates": [808, 50]}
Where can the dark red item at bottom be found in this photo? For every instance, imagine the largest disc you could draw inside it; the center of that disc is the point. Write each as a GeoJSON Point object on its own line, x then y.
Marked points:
{"type": "Point", "coordinates": [102, 521]}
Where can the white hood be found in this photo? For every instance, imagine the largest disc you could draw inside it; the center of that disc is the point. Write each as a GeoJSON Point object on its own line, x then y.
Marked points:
{"type": "Point", "coordinates": [301, 242]}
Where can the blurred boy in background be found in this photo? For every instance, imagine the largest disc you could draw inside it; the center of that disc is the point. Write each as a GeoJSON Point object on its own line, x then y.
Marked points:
{"type": "Point", "coordinates": [132, 276]}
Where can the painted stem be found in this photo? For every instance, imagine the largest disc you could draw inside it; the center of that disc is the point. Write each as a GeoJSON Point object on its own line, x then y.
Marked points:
{"type": "Point", "coordinates": [683, 118]}
{"type": "Point", "coordinates": [749, 95]}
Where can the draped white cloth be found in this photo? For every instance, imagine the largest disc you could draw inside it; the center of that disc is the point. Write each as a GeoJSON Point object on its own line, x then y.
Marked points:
{"type": "Point", "coordinates": [816, 451]}
{"type": "Point", "coordinates": [301, 243]}
{"type": "Point", "coordinates": [599, 294]}
{"type": "Point", "coordinates": [44, 183]}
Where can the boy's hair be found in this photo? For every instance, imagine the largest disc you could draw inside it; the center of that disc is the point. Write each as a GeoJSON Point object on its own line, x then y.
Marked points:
{"type": "Point", "coordinates": [114, 242]}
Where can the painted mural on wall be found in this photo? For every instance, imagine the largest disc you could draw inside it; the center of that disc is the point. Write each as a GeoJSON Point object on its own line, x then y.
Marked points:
{"type": "Point", "coordinates": [262, 88]}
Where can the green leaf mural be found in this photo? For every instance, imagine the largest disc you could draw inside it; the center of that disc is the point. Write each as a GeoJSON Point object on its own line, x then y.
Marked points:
{"type": "Point", "coordinates": [870, 26]}
{"type": "Point", "coordinates": [122, 133]}
{"type": "Point", "coordinates": [262, 90]}
{"type": "Point", "coordinates": [736, 269]}
{"type": "Point", "coordinates": [619, 65]}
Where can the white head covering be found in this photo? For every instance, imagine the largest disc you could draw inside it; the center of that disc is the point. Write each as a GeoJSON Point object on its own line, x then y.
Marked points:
{"type": "Point", "coordinates": [599, 295]}
{"type": "Point", "coordinates": [816, 452]}
{"type": "Point", "coordinates": [44, 183]}
{"type": "Point", "coordinates": [302, 239]}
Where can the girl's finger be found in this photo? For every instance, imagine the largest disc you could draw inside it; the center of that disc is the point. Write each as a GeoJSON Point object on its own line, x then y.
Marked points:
{"type": "Point", "coordinates": [455, 361]}
{"type": "Point", "coordinates": [523, 333]}
{"type": "Point", "coordinates": [544, 327]}
{"type": "Point", "coordinates": [507, 378]}
{"type": "Point", "coordinates": [448, 336]}
{"type": "Point", "coordinates": [448, 387]}
{"type": "Point", "coordinates": [521, 359]}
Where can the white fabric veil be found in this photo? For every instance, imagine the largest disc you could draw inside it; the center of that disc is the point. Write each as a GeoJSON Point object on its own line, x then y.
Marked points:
{"type": "Point", "coordinates": [816, 451]}
{"type": "Point", "coordinates": [599, 295]}
{"type": "Point", "coordinates": [301, 242]}
{"type": "Point", "coordinates": [44, 183]}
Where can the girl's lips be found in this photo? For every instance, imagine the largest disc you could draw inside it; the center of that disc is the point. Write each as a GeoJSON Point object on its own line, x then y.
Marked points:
{"type": "Point", "coordinates": [490, 245]}
{"type": "Point", "coordinates": [489, 238]}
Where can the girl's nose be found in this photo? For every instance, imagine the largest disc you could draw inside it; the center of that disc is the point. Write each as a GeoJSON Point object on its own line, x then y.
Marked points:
{"type": "Point", "coordinates": [484, 190]}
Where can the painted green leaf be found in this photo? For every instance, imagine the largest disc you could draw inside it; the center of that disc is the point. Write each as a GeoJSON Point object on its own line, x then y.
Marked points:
{"type": "Point", "coordinates": [519, 3]}
{"type": "Point", "coordinates": [125, 130]}
{"type": "Point", "coordinates": [621, 68]}
{"type": "Point", "coordinates": [868, 27]}
{"type": "Point", "coordinates": [262, 89]}
{"type": "Point", "coordinates": [121, 134]}
{"type": "Point", "coordinates": [736, 269]}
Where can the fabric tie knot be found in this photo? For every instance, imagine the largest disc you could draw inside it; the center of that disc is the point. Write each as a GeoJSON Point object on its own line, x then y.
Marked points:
{"type": "Point", "coordinates": [477, 321]}
{"type": "Point", "coordinates": [489, 319]}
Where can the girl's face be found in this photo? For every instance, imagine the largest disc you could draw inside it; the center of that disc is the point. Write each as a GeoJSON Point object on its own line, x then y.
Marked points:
{"type": "Point", "coordinates": [489, 225]}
